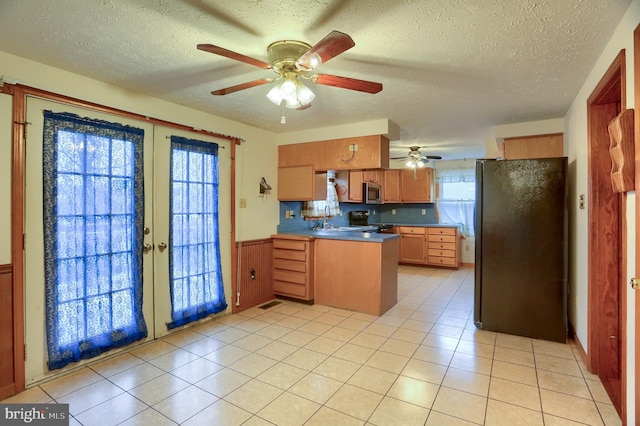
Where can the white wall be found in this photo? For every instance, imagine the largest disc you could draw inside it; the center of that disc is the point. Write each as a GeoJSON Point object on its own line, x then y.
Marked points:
{"type": "Point", "coordinates": [5, 179]}
{"type": "Point", "coordinates": [256, 157]}
{"type": "Point", "coordinates": [577, 150]}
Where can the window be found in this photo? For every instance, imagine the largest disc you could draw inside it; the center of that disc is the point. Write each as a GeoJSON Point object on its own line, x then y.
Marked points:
{"type": "Point", "coordinates": [195, 270]}
{"type": "Point", "coordinates": [93, 230]}
{"type": "Point", "coordinates": [456, 201]}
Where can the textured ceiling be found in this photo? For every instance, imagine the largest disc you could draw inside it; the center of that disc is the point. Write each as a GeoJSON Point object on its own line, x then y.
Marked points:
{"type": "Point", "coordinates": [451, 69]}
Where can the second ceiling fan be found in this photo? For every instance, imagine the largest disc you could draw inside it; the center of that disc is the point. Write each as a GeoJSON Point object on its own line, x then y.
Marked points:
{"type": "Point", "coordinates": [294, 61]}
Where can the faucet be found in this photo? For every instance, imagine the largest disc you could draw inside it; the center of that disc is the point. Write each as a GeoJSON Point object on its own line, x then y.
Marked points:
{"type": "Point", "coordinates": [325, 224]}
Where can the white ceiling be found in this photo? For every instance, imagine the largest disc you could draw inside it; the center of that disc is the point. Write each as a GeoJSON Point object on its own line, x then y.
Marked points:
{"type": "Point", "coordinates": [451, 69]}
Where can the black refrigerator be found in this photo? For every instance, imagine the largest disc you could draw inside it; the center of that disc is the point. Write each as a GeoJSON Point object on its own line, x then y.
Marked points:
{"type": "Point", "coordinates": [521, 253]}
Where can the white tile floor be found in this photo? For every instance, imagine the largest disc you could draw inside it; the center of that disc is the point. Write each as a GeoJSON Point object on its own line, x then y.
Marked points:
{"type": "Point", "coordinates": [421, 363]}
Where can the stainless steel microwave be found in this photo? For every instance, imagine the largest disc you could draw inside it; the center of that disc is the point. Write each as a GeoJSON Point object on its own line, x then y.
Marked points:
{"type": "Point", "coordinates": [372, 193]}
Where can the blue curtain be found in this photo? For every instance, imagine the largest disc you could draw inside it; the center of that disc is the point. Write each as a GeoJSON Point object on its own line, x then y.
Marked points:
{"type": "Point", "coordinates": [195, 270]}
{"type": "Point", "coordinates": [93, 231]}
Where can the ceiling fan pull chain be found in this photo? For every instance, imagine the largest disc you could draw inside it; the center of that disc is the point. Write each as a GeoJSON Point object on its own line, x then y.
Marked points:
{"type": "Point", "coordinates": [283, 119]}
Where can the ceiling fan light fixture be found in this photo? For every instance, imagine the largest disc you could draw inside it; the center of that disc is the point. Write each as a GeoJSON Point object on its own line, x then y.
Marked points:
{"type": "Point", "coordinates": [292, 92]}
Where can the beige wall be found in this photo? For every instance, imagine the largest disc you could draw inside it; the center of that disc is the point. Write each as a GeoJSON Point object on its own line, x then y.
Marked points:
{"type": "Point", "coordinates": [576, 145]}
{"type": "Point", "coordinates": [5, 179]}
{"type": "Point", "coordinates": [256, 157]}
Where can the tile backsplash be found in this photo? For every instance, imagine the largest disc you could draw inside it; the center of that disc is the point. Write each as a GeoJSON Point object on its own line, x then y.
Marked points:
{"type": "Point", "coordinates": [378, 213]}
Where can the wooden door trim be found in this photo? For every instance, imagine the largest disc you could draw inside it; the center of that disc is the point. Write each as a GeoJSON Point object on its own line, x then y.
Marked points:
{"type": "Point", "coordinates": [606, 253]}
{"type": "Point", "coordinates": [636, 103]}
{"type": "Point", "coordinates": [17, 234]}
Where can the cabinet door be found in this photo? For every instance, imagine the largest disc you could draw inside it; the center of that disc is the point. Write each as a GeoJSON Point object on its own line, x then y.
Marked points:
{"type": "Point", "coordinates": [538, 146]}
{"type": "Point", "coordinates": [355, 186]}
{"type": "Point", "coordinates": [418, 187]}
{"type": "Point", "coordinates": [301, 184]}
{"type": "Point", "coordinates": [373, 176]}
{"type": "Point", "coordinates": [391, 186]}
{"type": "Point", "coordinates": [412, 248]}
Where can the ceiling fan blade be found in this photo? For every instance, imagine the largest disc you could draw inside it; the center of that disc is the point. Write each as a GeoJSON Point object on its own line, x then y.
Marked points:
{"type": "Point", "coordinates": [398, 158]}
{"type": "Point", "coordinates": [242, 86]}
{"type": "Point", "coordinates": [332, 45]}
{"type": "Point", "coordinates": [432, 157]}
{"type": "Point", "coordinates": [217, 50]}
{"type": "Point", "coordinates": [347, 83]}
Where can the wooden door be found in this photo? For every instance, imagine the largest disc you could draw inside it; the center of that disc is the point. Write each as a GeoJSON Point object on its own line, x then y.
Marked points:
{"type": "Point", "coordinates": [607, 245]}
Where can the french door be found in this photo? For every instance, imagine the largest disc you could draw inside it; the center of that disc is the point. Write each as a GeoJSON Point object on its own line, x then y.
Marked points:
{"type": "Point", "coordinates": [156, 305]}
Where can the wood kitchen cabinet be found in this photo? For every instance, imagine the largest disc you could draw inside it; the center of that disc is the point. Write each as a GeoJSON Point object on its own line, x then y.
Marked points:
{"type": "Point", "coordinates": [372, 176]}
{"type": "Point", "coordinates": [349, 186]}
{"type": "Point", "coordinates": [391, 187]}
{"type": "Point", "coordinates": [443, 246]}
{"type": "Point", "coordinates": [537, 146]}
{"type": "Point", "coordinates": [356, 275]}
{"type": "Point", "coordinates": [301, 184]}
{"type": "Point", "coordinates": [418, 187]}
{"type": "Point", "coordinates": [432, 246]}
{"type": "Point", "coordinates": [413, 245]}
{"type": "Point", "coordinates": [293, 263]}
{"type": "Point", "coordinates": [337, 154]}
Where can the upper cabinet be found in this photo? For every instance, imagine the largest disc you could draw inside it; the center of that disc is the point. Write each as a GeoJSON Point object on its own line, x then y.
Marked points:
{"type": "Point", "coordinates": [363, 152]}
{"type": "Point", "coordinates": [301, 183]}
{"type": "Point", "coordinates": [539, 146]}
{"type": "Point", "coordinates": [391, 187]}
{"type": "Point", "coordinates": [418, 187]}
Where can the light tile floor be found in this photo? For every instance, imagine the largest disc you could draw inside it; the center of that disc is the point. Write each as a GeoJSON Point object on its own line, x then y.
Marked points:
{"type": "Point", "coordinates": [421, 363]}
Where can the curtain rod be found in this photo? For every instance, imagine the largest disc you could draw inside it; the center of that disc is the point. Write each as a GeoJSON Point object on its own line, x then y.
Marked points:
{"type": "Point", "coordinates": [44, 94]}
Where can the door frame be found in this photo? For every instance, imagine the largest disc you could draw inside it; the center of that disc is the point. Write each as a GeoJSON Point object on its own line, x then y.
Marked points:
{"type": "Point", "coordinates": [19, 93]}
{"type": "Point", "coordinates": [607, 236]}
{"type": "Point", "coordinates": [636, 103]}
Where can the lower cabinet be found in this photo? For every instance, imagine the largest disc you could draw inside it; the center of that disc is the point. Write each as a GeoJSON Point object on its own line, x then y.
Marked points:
{"type": "Point", "coordinates": [433, 246]}
{"type": "Point", "coordinates": [443, 247]}
{"type": "Point", "coordinates": [293, 267]}
{"type": "Point", "coordinates": [412, 245]}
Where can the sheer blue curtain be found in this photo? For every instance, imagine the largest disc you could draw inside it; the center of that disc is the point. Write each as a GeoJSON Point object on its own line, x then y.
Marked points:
{"type": "Point", "coordinates": [195, 270]}
{"type": "Point", "coordinates": [93, 230]}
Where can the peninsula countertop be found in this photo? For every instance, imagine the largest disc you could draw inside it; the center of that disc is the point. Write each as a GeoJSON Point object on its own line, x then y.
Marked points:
{"type": "Point", "coordinates": [341, 233]}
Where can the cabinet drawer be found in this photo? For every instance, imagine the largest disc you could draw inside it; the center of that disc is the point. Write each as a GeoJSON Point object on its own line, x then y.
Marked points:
{"type": "Point", "coordinates": [442, 238]}
{"type": "Point", "coordinates": [289, 288]}
{"type": "Point", "coordinates": [300, 256]}
{"type": "Point", "coordinates": [289, 276]}
{"type": "Point", "coordinates": [442, 246]}
{"type": "Point", "coordinates": [441, 231]}
{"type": "Point", "coordinates": [451, 261]}
{"type": "Point", "coordinates": [289, 265]}
{"type": "Point", "coordinates": [410, 230]}
{"type": "Point", "coordinates": [441, 253]}
{"type": "Point", "coordinates": [289, 244]}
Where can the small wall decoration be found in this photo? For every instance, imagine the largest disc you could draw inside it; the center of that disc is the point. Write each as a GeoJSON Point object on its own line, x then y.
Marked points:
{"type": "Point", "coordinates": [621, 150]}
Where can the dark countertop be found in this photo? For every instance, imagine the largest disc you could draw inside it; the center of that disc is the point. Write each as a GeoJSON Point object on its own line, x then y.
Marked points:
{"type": "Point", "coordinates": [334, 234]}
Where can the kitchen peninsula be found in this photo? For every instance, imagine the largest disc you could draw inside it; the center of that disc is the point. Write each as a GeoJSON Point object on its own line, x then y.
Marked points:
{"type": "Point", "coordinates": [352, 270]}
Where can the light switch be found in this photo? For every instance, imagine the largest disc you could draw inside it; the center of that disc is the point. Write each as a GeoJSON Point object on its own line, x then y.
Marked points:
{"type": "Point", "coordinates": [393, 211]}
{"type": "Point", "coordinates": [243, 203]}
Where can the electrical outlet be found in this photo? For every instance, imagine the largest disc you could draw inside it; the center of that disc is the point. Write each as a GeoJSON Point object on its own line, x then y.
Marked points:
{"type": "Point", "coordinates": [424, 211]}
{"type": "Point", "coordinates": [353, 147]}
{"type": "Point", "coordinates": [393, 211]}
{"type": "Point", "coordinates": [287, 214]}
{"type": "Point", "coordinates": [243, 203]}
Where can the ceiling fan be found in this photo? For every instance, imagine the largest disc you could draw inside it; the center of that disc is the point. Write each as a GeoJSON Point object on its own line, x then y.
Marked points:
{"type": "Point", "coordinates": [294, 61]}
{"type": "Point", "coordinates": [416, 159]}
